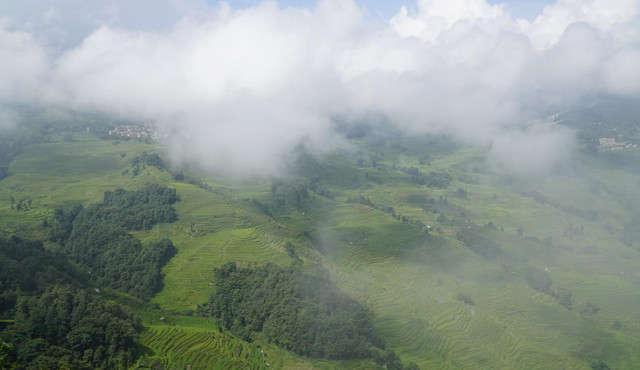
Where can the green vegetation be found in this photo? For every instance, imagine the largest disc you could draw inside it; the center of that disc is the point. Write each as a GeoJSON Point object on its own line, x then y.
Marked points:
{"type": "Point", "coordinates": [68, 327]}
{"type": "Point", "coordinates": [98, 238]}
{"type": "Point", "coordinates": [26, 267]}
{"type": "Point", "coordinates": [139, 163]}
{"type": "Point", "coordinates": [301, 312]}
{"type": "Point", "coordinates": [55, 324]}
{"type": "Point", "coordinates": [475, 242]}
{"type": "Point", "coordinates": [456, 266]}
{"type": "Point", "coordinates": [42, 125]}
{"type": "Point", "coordinates": [201, 349]}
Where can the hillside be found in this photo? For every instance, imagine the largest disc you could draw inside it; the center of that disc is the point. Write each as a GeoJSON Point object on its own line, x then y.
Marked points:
{"type": "Point", "coordinates": [460, 265]}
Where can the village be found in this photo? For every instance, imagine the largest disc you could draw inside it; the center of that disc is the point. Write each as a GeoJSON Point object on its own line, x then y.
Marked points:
{"type": "Point", "coordinates": [611, 144]}
{"type": "Point", "coordinates": [147, 131]}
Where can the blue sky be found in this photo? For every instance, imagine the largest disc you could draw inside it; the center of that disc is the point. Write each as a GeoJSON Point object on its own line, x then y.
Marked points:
{"type": "Point", "coordinates": [384, 9]}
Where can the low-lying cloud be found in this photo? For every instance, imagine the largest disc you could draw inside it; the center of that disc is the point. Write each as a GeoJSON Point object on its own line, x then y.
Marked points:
{"type": "Point", "coordinates": [243, 87]}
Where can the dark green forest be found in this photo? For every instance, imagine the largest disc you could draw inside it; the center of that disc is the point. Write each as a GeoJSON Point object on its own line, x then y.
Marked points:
{"type": "Point", "coordinates": [72, 327]}
{"type": "Point", "coordinates": [26, 267]}
{"type": "Point", "coordinates": [302, 312]}
{"type": "Point", "coordinates": [53, 318]}
{"type": "Point", "coordinates": [97, 237]}
{"type": "Point", "coordinates": [56, 321]}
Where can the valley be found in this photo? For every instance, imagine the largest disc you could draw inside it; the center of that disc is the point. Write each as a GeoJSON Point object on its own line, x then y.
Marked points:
{"type": "Point", "coordinates": [481, 271]}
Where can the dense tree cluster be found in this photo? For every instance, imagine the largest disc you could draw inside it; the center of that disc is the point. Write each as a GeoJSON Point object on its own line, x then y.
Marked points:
{"type": "Point", "coordinates": [461, 193]}
{"type": "Point", "coordinates": [147, 159]}
{"type": "Point", "coordinates": [140, 162]}
{"type": "Point", "coordinates": [538, 279]}
{"type": "Point", "coordinates": [97, 237]}
{"type": "Point", "coordinates": [366, 201]}
{"type": "Point", "coordinates": [64, 223]}
{"type": "Point", "coordinates": [136, 210]}
{"type": "Point", "coordinates": [66, 327]}
{"type": "Point", "coordinates": [5, 353]}
{"type": "Point", "coordinates": [58, 323]}
{"type": "Point", "coordinates": [25, 266]}
{"type": "Point", "coordinates": [431, 179]}
{"type": "Point", "coordinates": [438, 179]}
{"type": "Point", "coordinates": [476, 243]}
{"type": "Point", "coordinates": [417, 176]}
{"type": "Point", "coordinates": [304, 313]}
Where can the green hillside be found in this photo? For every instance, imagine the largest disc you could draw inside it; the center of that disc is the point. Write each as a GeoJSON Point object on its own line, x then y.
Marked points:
{"type": "Point", "coordinates": [462, 267]}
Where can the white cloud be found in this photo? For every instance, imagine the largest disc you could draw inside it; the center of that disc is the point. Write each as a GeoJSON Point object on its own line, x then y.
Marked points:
{"type": "Point", "coordinates": [619, 17]}
{"type": "Point", "coordinates": [622, 72]}
{"type": "Point", "coordinates": [244, 87]}
{"type": "Point", "coordinates": [531, 153]}
{"type": "Point", "coordinates": [23, 65]}
{"type": "Point", "coordinates": [435, 16]}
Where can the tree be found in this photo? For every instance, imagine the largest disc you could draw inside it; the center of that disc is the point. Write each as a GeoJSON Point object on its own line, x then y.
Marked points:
{"type": "Point", "coordinates": [97, 237]}
{"type": "Point", "coordinates": [599, 365]}
{"type": "Point", "coordinates": [302, 312]}
{"type": "Point", "coordinates": [5, 353]}
{"type": "Point", "coordinates": [62, 325]}
{"type": "Point", "coordinates": [538, 279]}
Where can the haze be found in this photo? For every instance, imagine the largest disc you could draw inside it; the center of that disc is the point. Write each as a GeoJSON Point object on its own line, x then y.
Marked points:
{"type": "Point", "coordinates": [242, 86]}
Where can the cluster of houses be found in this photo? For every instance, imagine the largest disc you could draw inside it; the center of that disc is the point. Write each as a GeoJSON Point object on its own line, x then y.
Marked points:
{"type": "Point", "coordinates": [611, 144]}
{"type": "Point", "coordinates": [136, 132]}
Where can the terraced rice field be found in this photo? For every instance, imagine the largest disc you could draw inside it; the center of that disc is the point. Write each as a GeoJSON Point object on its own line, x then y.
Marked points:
{"type": "Point", "coordinates": [510, 325]}
{"type": "Point", "coordinates": [202, 349]}
{"type": "Point", "coordinates": [411, 282]}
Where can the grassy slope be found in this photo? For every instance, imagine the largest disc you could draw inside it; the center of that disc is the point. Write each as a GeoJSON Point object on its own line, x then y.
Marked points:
{"type": "Point", "coordinates": [411, 282]}
{"type": "Point", "coordinates": [212, 229]}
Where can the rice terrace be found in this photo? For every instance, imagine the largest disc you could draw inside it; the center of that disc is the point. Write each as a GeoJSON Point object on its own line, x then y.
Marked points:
{"type": "Point", "coordinates": [329, 184]}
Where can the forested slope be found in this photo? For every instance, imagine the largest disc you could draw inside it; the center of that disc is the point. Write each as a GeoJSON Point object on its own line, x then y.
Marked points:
{"type": "Point", "coordinates": [97, 237]}
{"type": "Point", "coordinates": [56, 320]}
{"type": "Point", "coordinates": [455, 264]}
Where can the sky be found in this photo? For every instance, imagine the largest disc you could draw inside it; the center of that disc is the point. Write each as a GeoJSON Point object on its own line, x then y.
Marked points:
{"type": "Point", "coordinates": [385, 9]}
{"type": "Point", "coordinates": [242, 83]}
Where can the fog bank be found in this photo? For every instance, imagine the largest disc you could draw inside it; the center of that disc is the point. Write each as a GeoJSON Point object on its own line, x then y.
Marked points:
{"type": "Point", "coordinates": [242, 87]}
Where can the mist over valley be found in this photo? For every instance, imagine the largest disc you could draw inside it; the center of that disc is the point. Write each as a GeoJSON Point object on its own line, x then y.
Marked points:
{"type": "Point", "coordinates": [266, 184]}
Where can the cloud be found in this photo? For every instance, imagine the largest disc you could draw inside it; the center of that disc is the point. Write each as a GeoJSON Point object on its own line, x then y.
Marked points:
{"type": "Point", "coordinates": [533, 152]}
{"type": "Point", "coordinates": [7, 120]}
{"type": "Point", "coordinates": [23, 65]}
{"type": "Point", "coordinates": [436, 16]}
{"type": "Point", "coordinates": [618, 18]}
{"type": "Point", "coordinates": [622, 72]}
{"type": "Point", "coordinates": [62, 24]}
{"type": "Point", "coordinates": [243, 87]}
